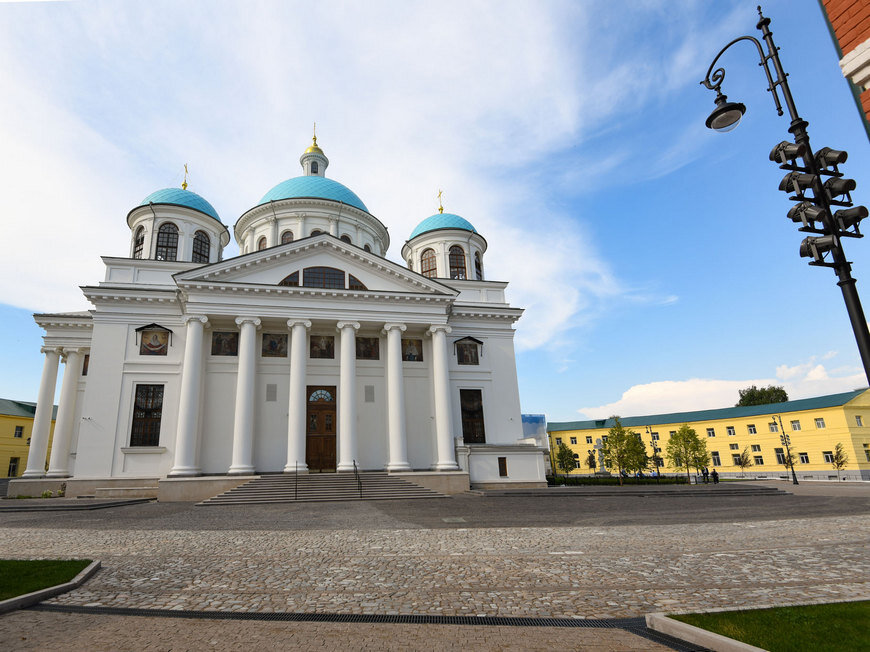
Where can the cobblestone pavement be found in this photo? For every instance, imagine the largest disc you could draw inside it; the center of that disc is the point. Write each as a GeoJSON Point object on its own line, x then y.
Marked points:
{"type": "Point", "coordinates": [535, 572]}
{"type": "Point", "coordinates": [34, 630]}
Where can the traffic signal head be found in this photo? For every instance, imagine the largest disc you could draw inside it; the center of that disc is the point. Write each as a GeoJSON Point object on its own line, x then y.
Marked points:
{"type": "Point", "coordinates": [827, 157]}
{"type": "Point", "coordinates": [797, 182]}
{"type": "Point", "coordinates": [787, 152]}
{"type": "Point", "coordinates": [850, 217]}
{"type": "Point", "coordinates": [816, 247]}
{"type": "Point", "coordinates": [806, 212]}
{"type": "Point", "coordinates": [838, 186]}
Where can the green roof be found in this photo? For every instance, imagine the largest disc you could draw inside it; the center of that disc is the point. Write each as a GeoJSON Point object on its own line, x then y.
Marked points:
{"type": "Point", "coordinates": [816, 403]}
{"type": "Point", "coordinates": [24, 409]}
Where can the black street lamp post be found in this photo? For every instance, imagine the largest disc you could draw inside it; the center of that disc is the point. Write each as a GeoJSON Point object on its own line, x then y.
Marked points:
{"type": "Point", "coordinates": [786, 440]}
{"type": "Point", "coordinates": [813, 211]}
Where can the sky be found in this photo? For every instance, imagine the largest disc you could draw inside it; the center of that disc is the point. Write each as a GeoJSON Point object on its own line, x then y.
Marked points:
{"type": "Point", "coordinates": [653, 257]}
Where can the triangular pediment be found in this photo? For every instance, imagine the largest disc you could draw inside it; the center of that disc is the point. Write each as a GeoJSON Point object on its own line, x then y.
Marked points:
{"type": "Point", "coordinates": [270, 267]}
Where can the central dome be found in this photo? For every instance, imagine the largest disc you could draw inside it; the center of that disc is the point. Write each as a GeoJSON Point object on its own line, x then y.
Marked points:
{"type": "Point", "coordinates": [314, 187]}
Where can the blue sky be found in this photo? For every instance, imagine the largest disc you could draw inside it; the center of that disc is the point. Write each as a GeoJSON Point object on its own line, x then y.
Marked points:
{"type": "Point", "coordinates": [653, 257]}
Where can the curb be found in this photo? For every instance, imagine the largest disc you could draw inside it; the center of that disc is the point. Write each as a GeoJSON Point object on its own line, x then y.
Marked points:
{"type": "Point", "coordinates": [28, 599]}
{"type": "Point", "coordinates": [697, 636]}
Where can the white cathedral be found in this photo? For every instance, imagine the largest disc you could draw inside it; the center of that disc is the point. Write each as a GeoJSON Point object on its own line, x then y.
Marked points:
{"type": "Point", "coordinates": [308, 352]}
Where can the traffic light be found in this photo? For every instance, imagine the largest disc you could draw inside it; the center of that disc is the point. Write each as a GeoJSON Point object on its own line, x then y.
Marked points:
{"type": "Point", "coordinates": [816, 247]}
{"type": "Point", "coordinates": [808, 214]}
{"type": "Point", "coordinates": [815, 198]}
{"type": "Point", "coordinates": [787, 152]}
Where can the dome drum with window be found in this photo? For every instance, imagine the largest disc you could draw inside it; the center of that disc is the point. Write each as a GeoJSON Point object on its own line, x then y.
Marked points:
{"type": "Point", "coordinates": [177, 225]}
{"type": "Point", "coordinates": [446, 246]}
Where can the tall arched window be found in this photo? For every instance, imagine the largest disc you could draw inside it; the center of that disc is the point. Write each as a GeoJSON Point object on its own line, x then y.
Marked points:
{"type": "Point", "coordinates": [286, 237]}
{"type": "Point", "coordinates": [261, 243]}
{"type": "Point", "coordinates": [167, 242]}
{"type": "Point", "coordinates": [427, 264]}
{"type": "Point", "coordinates": [478, 268]}
{"type": "Point", "coordinates": [139, 242]}
{"type": "Point", "coordinates": [457, 262]}
{"type": "Point", "coordinates": [345, 238]}
{"type": "Point", "coordinates": [314, 167]}
{"type": "Point", "coordinates": [316, 232]}
{"type": "Point", "coordinates": [201, 247]}
{"type": "Point", "coordinates": [366, 247]}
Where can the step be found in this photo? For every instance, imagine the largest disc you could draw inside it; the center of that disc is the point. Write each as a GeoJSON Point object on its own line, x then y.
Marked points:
{"type": "Point", "coordinates": [125, 492]}
{"type": "Point", "coordinates": [284, 488]}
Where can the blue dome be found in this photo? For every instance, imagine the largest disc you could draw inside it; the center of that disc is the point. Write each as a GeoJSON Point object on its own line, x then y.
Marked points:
{"type": "Point", "coordinates": [442, 221]}
{"type": "Point", "coordinates": [179, 197]}
{"type": "Point", "coordinates": [314, 187]}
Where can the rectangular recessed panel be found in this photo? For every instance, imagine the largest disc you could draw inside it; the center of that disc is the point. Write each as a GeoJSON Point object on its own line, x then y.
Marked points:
{"type": "Point", "coordinates": [271, 393]}
{"type": "Point", "coordinates": [370, 394]}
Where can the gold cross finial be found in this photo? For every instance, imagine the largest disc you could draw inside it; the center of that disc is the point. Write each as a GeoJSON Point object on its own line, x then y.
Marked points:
{"type": "Point", "coordinates": [440, 203]}
{"type": "Point", "coordinates": [184, 183]}
{"type": "Point", "coordinates": [314, 134]}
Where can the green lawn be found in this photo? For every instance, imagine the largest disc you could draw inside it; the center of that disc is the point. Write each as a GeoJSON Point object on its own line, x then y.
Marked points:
{"type": "Point", "coordinates": [18, 576]}
{"type": "Point", "coordinates": [838, 626]}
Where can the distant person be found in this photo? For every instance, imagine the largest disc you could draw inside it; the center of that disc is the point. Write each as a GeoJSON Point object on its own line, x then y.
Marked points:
{"type": "Point", "coordinates": [706, 474]}
{"type": "Point", "coordinates": [715, 477]}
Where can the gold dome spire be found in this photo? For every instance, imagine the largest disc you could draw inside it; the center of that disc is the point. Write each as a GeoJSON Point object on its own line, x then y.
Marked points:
{"type": "Point", "coordinates": [314, 149]}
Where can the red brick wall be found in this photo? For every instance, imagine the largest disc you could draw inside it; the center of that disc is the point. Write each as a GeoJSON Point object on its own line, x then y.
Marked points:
{"type": "Point", "coordinates": [850, 20]}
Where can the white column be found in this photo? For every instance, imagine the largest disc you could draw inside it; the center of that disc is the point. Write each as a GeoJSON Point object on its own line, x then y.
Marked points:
{"type": "Point", "coordinates": [446, 451]}
{"type": "Point", "coordinates": [296, 418]}
{"type": "Point", "coordinates": [42, 419]}
{"type": "Point", "coordinates": [66, 409]}
{"type": "Point", "coordinates": [243, 425]}
{"type": "Point", "coordinates": [188, 406]}
{"type": "Point", "coordinates": [396, 399]}
{"type": "Point", "coordinates": [347, 396]}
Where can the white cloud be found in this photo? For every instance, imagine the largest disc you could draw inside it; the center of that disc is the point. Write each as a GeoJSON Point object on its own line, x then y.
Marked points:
{"type": "Point", "coordinates": [804, 380]}
{"type": "Point", "coordinates": [103, 103]}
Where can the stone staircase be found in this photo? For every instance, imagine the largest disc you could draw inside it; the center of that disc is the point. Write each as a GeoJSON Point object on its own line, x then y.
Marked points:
{"type": "Point", "coordinates": [320, 487]}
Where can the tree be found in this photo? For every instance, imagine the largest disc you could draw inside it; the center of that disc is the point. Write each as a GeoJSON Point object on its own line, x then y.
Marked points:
{"type": "Point", "coordinates": [591, 462]}
{"type": "Point", "coordinates": [686, 449]}
{"type": "Point", "coordinates": [744, 461]}
{"type": "Point", "coordinates": [761, 395]}
{"type": "Point", "coordinates": [840, 459]}
{"type": "Point", "coordinates": [565, 458]}
{"type": "Point", "coordinates": [624, 450]}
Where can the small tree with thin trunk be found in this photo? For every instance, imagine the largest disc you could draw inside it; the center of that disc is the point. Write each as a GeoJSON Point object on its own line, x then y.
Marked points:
{"type": "Point", "coordinates": [623, 450]}
{"type": "Point", "coordinates": [744, 461]}
{"type": "Point", "coordinates": [565, 459]}
{"type": "Point", "coordinates": [840, 459]}
{"type": "Point", "coordinates": [685, 449]}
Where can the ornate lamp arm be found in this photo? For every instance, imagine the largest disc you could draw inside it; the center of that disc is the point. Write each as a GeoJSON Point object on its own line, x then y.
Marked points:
{"type": "Point", "coordinates": [714, 78]}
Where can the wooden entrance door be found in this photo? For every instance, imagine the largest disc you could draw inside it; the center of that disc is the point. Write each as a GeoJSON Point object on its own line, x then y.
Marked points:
{"type": "Point", "coordinates": [320, 438]}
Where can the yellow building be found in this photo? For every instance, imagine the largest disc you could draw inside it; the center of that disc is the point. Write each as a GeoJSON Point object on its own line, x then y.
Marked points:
{"type": "Point", "coordinates": [16, 425]}
{"type": "Point", "coordinates": [814, 425]}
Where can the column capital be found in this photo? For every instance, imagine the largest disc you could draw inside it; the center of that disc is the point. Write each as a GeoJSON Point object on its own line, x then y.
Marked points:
{"type": "Point", "coordinates": [72, 350]}
{"type": "Point", "coordinates": [434, 328]}
{"type": "Point", "coordinates": [256, 321]}
{"type": "Point", "coordinates": [51, 349]}
{"type": "Point", "coordinates": [394, 325]}
{"type": "Point", "coordinates": [201, 318]}
{"type": "Point", "coordinates": [292, 322]}
{"type": "Point", "coordinates": [340, 326]}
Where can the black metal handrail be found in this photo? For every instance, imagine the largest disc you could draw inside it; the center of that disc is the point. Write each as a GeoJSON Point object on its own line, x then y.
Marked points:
{"type": "Point", "coordinates": [358, 479]}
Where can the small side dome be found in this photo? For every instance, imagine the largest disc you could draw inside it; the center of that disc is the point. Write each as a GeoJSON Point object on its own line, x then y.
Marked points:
{"type": "Point", "coordinates": [442, 221]}
{"type": "Point", "coordinates": [179, 197]}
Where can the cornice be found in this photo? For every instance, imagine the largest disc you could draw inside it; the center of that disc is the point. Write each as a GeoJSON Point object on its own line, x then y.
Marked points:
{"type": "Point", "coordinates": [240, 289]}
{"type": "Point", "coordinates": [123, 295]}
{"type": "Point", "coordinates": [294, 205]}
{"type": "Point", "coordinates": [482, 312]}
